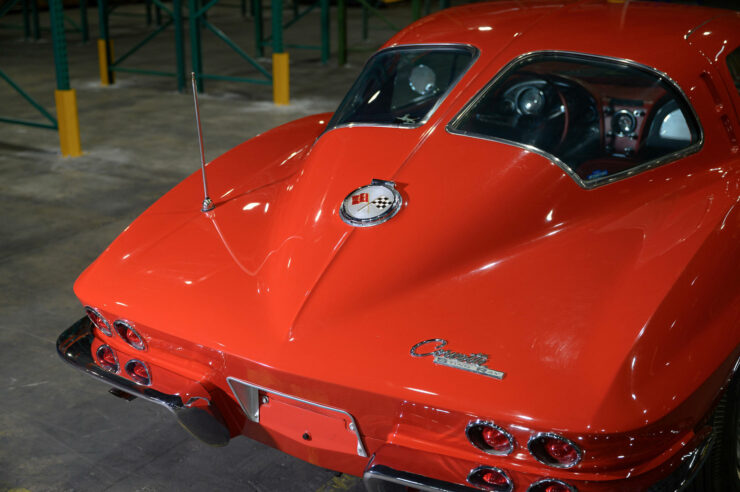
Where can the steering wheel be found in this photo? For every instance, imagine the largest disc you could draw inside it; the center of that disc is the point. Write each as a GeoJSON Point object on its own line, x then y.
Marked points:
{"type": "Point", "coordinates": [538, 112]}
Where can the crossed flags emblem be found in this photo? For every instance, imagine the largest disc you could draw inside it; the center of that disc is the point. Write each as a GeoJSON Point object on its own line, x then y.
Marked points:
{"type": "Point", "coordinates": [381, 203]}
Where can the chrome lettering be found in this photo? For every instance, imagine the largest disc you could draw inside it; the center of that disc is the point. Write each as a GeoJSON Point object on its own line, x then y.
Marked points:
{"type": "Point", "coordinates": [475, 363]}
{"type": "Point", "coordinates": [441, 343]}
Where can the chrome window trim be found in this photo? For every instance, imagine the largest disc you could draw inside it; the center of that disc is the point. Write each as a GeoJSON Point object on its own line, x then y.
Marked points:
{"type": "Point", "coordinates": [534, 437]}
{"type": "Point", "coordinates": [474, 51]}
{"type": "Point", "coordinates": [475, 470]}
{"type": "Point", "coordinates": [591, 184]}
{"type": "Point", "coordinates": [97, 359]}
{"type": "Point", "coordinates": [148, 372]}
{"type": "Point", "coordinates": [252, 409]}
{"type": "Point", "coordinates": [97, 313]}
{"type": "Point", "coordinates": [475, 423]}
{"type": "Point", "coordinates": [130, 326]}
{"type": "Point", "coordinates": [570, 488]}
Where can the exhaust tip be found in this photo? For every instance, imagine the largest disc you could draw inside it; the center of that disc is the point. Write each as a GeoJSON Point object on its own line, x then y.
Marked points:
{"type": "Point", "coordinates": [121, 394]}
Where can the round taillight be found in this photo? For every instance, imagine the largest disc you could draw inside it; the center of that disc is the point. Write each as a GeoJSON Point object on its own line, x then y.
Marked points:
{"type": "Point", "coordinates": [550, 485]}
{"type": "Point", "coordinates": [138, 371]}
{"type": "Point", "coordinates": [127, 332]}
{"type": "Point", "coordinates": [490, 478]}
{"type": "Point", "coordinates": [489, 437]}
{"type": "Point", "coordinates": [106, 358]}
{"type": "Point", "coordinates": [554, 450]}
{"type": "Point", "coordinates": [98, 320]}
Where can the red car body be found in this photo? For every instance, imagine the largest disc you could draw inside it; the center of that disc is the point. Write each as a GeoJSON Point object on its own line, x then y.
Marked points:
{"type": "Point", "coordinates": [613, 312]}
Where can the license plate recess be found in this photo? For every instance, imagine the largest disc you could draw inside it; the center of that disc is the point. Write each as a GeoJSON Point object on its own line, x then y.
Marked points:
{"type": "Point", "coordinates": [314, 424]}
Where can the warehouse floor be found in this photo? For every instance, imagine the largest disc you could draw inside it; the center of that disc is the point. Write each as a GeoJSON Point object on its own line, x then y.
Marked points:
{"type": "Point", "coordinates": [59, 429]}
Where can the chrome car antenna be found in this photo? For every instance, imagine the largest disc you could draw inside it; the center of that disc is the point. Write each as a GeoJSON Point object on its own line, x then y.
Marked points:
{"type": "Point", "coordinates": [207, 203]}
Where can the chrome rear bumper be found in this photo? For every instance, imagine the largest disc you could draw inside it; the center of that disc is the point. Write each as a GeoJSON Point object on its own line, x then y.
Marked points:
{"type": "Point", "coordinates": [381, 478]}
{"type": "Point", "coordinates": [74, 346]}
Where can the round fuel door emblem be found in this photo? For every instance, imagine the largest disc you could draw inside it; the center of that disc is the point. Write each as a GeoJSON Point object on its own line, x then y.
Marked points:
{"type": "Point", "coordinates": [371, 205]}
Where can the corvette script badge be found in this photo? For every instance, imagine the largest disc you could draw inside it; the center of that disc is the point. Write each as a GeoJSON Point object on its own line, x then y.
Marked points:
{"type": "Point", "coordinates": [473, 363]}
{"type": "Point", "coordinates": [371, 205]}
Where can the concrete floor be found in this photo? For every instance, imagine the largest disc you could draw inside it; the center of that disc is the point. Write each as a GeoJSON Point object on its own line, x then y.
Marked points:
{"type": "Point", "coordinates": [59, 429]}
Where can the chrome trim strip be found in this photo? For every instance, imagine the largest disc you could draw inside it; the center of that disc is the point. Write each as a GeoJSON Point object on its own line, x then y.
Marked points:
{"type": "Point", "coordinates": [131, 375]}
{"type": "Point", "coordinates": [475, 423]}
{"type": "Point", "coordinates": [554, 436]}
{"type": "Point", "coordinates": [509, 483]}
{"type": "Point", "coordinates": [531, 488]}
{"type": "Point", "coordinates": [588, 185]}
{"type": "Point", "coordinates": [98, 358]}
{"type": "Point", "coordinates": [129, 326]}
{"type": "Point", "coordinates": [74, 347]}
{"type": "Point", "coordinates": [476, 55]}
{"type": "Point", "coordinates": [100, 316]}
{"type": "Point", "coordinates": [377, 475]}
{"type": "Point", "coordinates": [252, 409]}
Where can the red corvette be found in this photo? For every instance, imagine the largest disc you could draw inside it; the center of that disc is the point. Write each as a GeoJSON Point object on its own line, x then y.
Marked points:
{"type": "Point", "coordinates": [510, 260]}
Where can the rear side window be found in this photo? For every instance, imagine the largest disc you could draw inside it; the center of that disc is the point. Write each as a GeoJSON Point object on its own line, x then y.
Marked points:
{"type": "Point", "coordinates": [599, 119]}
{"type": "Point", "coordinates": [402, 86]}
{"type": "Point", "coordinates": [733, 64]}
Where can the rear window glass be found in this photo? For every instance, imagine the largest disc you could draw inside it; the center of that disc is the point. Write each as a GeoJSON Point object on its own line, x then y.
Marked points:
{"type": "Point", "coordinates": [599, 119]}
{"type": "Point", "coordinates": [402, 86]}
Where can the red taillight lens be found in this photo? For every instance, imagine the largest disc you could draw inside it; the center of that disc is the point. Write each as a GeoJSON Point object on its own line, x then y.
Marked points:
{"type": "Point", "coordinates": [129, 335]}
{"type": "Point", "coordinates": [98, 320]}
{"type": "Point", "coordinates": [489, 438]}
{"type": "Point", "coordinates": [560, 451]}
{"type": "Point", "coordinates": [494, 477]}
{"type": "Point", "coordinates": [106, 358]}
{"type": "Point", "coordinates": [490, 478]}
{"type": "Point", "coordinates": [550, 485]}
{"type": "Point", "coordinates": [554, 450]}
{"type": "Point", "coordinates": [133, 338]}
{"type": "Point", "coordinates": [497, 440]}
{"type": "Point", "coordinates": [138, 371]}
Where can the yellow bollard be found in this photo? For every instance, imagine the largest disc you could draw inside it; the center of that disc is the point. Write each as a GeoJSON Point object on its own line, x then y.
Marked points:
{"type": "Point", "coordinates": [105, 53]}
{"type": "Point", "coordinates": [281, 79]}
{"type": "Point", "coordinates": [69, 125]}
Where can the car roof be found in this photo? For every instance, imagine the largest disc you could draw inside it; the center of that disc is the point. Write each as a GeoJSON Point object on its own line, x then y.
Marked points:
{"type": "Point", "coordinates": [656, 35]}
{"type": "Point", "coordinates": [651, 33]}
{"type": "Point", "coordinates": [614, 21]}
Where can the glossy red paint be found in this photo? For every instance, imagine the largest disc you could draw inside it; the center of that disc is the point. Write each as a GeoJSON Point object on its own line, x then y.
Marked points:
{"type": "Point", "coordinates": [613, 312]}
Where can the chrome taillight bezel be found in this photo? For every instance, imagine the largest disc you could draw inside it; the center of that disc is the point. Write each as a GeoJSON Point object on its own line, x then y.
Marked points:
{"type": "Point", "coordinates": [133, 376]}
{"type": "Point", "coordinates": [549, 481]}
{"type": "Point", "coordinates": [104, 365]}
{"type": "Point", "coordinates": [122, 324]}
{"type": "Point", "coordinates": [533, 443]}
{"type": "Point", "coordinates": [484, 486]}
{"type": "Point", "coordinates": [475, 437]}
{"type": "Point", "coordinates": [91, 310]}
